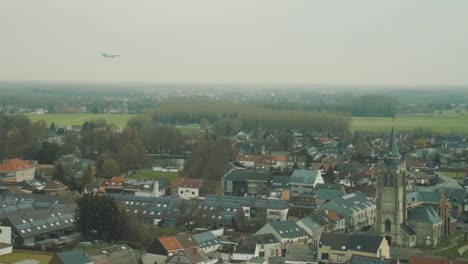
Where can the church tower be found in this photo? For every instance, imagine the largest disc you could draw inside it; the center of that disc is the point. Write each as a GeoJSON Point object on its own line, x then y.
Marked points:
{"type": "Point", "coordinates": [391, 195]}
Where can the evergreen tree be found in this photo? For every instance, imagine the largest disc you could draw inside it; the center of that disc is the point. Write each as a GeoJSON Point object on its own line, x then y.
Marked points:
{"type": "Point", "coordinates": [88, 176]}
{"type": "Point", "coordinates": [59, 173]}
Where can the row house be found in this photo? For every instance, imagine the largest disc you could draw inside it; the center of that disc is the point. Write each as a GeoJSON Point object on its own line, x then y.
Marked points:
{"type": "Point", "coordinates": [339, 248]}
{"type": "Point", "coordinates": [259, 245]}
{"type": "Point", "coordinates": [356, 208]}
{"type": "Point", "coordinates": [239, 182]}
{"type": "Point", "coordinates": [321, 221]}
{"type": "Point", "coordinates": [287, 232]}
{"type": "Point", "coordinates": [302, 182]}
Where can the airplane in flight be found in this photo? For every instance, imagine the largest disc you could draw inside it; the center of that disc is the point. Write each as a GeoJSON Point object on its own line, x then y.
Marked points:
{"type": "Point", "coordinates": [109, 55]}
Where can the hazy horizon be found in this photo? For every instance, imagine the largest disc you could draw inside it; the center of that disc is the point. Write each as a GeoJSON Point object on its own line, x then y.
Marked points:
{"type": "Point", "coordinates": [363, 43]}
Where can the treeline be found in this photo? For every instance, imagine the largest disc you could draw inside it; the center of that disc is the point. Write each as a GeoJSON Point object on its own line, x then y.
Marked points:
{"type": "Point", "coordinates": [19, 137]}
{"type": "Point", "coordinates": [365, 106]}
{"type": "Point", "coordinates": [209, 159]}
{"type": "Point", "coordinates": [228, 118]}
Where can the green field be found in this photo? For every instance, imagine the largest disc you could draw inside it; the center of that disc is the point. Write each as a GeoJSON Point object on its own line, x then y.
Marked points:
{"type": "Point", "coordinates": [454, 175]}
{"type": "Point", "coordinates": [16, 256]}
{"type": "Point", "coordinates": [442, 123]}
{"type": "Point", "coordinates": [154, 175]}
{"type": "Point", "coordinates": [64, 120]}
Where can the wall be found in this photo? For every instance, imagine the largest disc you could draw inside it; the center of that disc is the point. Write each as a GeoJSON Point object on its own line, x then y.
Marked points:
{"type": "Point", "coordinates": [187, 193]}
{"type": "Point", "coordinates": [5, 234]}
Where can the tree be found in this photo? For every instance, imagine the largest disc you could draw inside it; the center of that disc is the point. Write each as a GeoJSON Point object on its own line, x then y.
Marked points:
{"type": "Point", "coordinates": [110, 168]}
{"type": "Point", "coordinates": [189, 214]}
{"type": "Point", "coordinates": [59, 173]}
{"type": "Point", "coordinates": [100, 215]}
{"type": "Point", "coordinates": [421, 143]}
{"type": "Point", "coordinates": [52, 127]}
{"type": "Point", "coordinates": [88, 176]}
{"type": "Point", "coordinates": [48, 153]}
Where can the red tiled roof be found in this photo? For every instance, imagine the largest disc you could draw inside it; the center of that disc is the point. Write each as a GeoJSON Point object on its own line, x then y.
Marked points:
{"type": "Point", "coordinates": [333, 215]}
{"type": "Point", "coordinates": [170, 243]}
{"type": "Point", "coordinates": [15, 165]}
{"type": "Point", "coordinates": [114, 182]}
{"type": "Point", "coordinates": [187, 183]}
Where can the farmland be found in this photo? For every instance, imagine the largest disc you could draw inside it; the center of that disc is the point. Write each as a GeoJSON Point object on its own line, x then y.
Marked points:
{"type": "Point", "coordinates": [74, 119]}
{"type": "Point", "coordinates": [439, 123]}
{"type": "Point", "coordinates": [444, 123]}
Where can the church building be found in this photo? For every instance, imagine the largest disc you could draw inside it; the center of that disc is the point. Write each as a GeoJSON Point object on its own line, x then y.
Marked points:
{"type": "Point", "coordinates": [403, 227]}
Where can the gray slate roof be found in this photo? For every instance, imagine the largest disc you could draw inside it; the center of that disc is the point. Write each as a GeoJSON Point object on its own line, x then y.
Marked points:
{"type": "Point", "coordinates": [424, 214]}
{"type": "Point", "coordinates": [356, 242]}
{"type": "Point", "coordinates": [37, 222]}
{"type": "Point", "coordinates": [288, 229]}
{"type": "Point", "coordinates": [206, 239]}
{"type": "Point", "coordinates": [350, 203]}
{"type": "Point", "coordinates": [303, 177]}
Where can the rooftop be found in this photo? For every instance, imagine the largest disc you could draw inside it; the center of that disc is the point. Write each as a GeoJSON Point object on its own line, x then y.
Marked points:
{"type": "Point", "coordinates": [13, 165]}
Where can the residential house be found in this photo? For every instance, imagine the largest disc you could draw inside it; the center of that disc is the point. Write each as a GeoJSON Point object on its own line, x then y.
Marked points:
{"type": "Point", "coordinates": [297, 162]}
{"type": "Point", "coordinates": [207, 241]}
{"type": "Point", "coordinates": [214, 211]}
{"type": "Point", "coordinates": [238, 182]}
{"type": "Point", "coordinates": [112, 185]}
{"type": "Point", "coordinates": [315, 224]}
{"type": "Point", "coordinates": [286, 232]}
{"type": "Point", "coordinates": [339, 248]}
{"type": "Point", "coordinates": [159, 250]}
{"type": "Point", "coordinates": [303, 182]}
{"type": "Point", "coordinates": [278, 187]}
{"type": "Point", "coordinates": [190, 256]}
{"type": "Point", "coordinates": [144, 187]}
{"type": "Point", "coordinates": [263, 162]}
{"type": "Point", "coordinates": [187, 188]}
{"type": "Point", "coordinates": [325, 195]}
{"type": "Point", "coordinates": [16, 170]}
{"type": "Point", "coordinates": [262, 245]}
{"type": "Point", "coordinates": [358, 210]}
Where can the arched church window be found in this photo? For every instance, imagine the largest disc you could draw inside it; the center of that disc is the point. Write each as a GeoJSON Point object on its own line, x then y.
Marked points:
{"type": "Point", "coordinates": [388, 226]}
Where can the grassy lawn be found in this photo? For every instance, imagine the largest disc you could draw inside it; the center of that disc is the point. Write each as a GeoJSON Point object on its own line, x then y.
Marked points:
{"type": "Point", "coordinates": [153, 175]}
{"type": "Point", "coordinates": [451, 174]}
{"type": "Point", "coordinates": [455, 239]}
{"type": "Point", "coordinates": [64, 120]}
{"type": "Point", "coordinates": [16, 256]}
{"type": "Point", "coordinates": [443, 123]}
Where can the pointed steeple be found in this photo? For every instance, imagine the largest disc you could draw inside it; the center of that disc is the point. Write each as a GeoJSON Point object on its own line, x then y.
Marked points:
{"type": "Point", "coordinates": [393, 157]}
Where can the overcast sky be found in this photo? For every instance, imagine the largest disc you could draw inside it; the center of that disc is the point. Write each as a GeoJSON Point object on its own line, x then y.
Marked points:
{"type": "Point", "coordinates": [418, 42]}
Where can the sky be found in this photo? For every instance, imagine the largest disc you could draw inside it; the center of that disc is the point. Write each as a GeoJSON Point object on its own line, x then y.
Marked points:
{"type": "Point", "coordinates": [300, 42]}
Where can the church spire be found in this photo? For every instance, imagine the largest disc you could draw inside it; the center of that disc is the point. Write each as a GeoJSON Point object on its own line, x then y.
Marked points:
{"type": "Point", "coordinates": [393, 157]}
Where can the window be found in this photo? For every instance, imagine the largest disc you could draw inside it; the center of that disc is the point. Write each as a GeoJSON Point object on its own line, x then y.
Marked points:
{"type": "Point", "coordinates": [388, 226]}
{"type": "Point", "coordinates": [325, 256]}
{"type": "Point", "coordinates": [193, 192]}
{"type": "Point", "coordinates": [340, 257]}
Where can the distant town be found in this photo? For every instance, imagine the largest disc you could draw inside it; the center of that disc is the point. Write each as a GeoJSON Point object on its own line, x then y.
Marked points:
{"type": "Point", "coordinates": [197, 179]}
